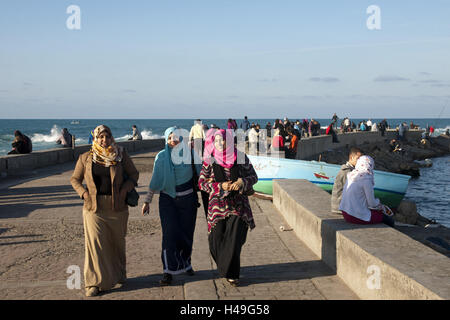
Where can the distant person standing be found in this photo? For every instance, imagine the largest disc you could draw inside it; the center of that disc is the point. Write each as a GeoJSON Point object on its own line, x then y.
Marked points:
{"type": "Point", "coordinates": [235, 126]}
{"type": "Point", "coordinates": [245, 125]}
{"type": "Point", "coordinates": [305, 125]}
{"type": "Point", "coordinates": [136, 134]}
{"type": "Point", "coordinates": [253, 140]}
{"type": "Point", "coordinates": [431, 130]}
{"type": "Point", "coordinates": [335, 119]}
{"type": "Point", "coordinates": [402, 128]}
{"type": "Point", "coordinates": [330, 131]}
{"type": "Point", "coordinates": [291, 152]}
{"type": "Point", "coordinates": [230, 124]}
{"type": "Point", "coordinates": [65, 139]}
{"type": "Point", "coordinates": [21, 144]}
{"type": "Point", "coordinates": [197, 137]}
{"type": "Point", "coordinates": [383, 127]}
{"type": "Point", "coordinates": [269, 129]}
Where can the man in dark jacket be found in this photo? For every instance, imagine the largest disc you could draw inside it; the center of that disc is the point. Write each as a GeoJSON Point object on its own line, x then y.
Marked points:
{"type": "Point", "coordinates": [341, 178]}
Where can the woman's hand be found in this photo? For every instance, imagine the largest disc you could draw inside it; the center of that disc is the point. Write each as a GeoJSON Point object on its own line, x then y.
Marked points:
{"type": "Point", "coordinates": [146, 209]}
{"type": "Point", "coordinates": [226, 186]}
{"type": "Point", "coordinates": [85, 195]}
{"type": "Point", "coordinates": [237, 185]}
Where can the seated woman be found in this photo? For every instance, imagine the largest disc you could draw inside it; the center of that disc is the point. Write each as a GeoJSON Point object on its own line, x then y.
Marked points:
{"type": "Point", "coordinates": [358, 204]}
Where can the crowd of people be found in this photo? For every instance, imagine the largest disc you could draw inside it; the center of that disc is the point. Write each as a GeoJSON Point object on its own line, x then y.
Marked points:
{"type": "Point", "coordinates": [109, 176]}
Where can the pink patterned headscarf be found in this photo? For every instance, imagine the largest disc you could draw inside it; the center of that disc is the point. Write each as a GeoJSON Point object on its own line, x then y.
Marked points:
{"type": "Point", "coordinates": [224, 158]}
{"type": "Point", "coordinates": [363, 170]}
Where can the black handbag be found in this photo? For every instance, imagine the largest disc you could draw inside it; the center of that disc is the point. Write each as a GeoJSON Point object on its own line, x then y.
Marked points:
{"type": "Point", "coordinates": [132, 198]}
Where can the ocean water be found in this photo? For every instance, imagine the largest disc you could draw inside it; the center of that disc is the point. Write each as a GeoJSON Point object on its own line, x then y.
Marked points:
{"type": "Point", "coordinates": [44, 132]}
{"type": "Point", "coordinates": [431, 190]}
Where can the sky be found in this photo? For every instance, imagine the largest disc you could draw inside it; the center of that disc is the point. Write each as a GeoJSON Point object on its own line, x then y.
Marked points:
{"type": "Point", "coordinates": [221, 59]}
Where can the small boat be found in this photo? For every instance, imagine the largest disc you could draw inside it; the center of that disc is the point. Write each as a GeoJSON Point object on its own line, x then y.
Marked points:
{"type": "Point", "coordinates": [390, 188]}
{"type": "Point", "coordinates": [75, 122]}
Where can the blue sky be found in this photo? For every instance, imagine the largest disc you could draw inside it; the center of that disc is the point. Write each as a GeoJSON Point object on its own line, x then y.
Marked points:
{"type": "Point", "coordinates": [220, 59]}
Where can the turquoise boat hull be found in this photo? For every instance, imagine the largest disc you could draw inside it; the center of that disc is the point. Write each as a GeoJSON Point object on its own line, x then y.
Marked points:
{"type": "Point", "coordinates": [390, 188]}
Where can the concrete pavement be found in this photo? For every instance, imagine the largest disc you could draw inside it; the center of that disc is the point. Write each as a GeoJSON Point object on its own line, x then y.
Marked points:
{"type": "Point", "coordinates": [41, 236]}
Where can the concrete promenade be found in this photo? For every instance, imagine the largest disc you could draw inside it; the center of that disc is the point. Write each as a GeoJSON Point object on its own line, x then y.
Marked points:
{"type": "Point", "coordinates": [41, 236]}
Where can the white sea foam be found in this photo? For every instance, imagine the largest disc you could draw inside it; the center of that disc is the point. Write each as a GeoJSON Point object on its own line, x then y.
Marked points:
{"type": "Point", "coordinates": [148, 134]}
{"type": "Point", "coordinates": [123, 138]}
{"type": "Point", "coordinates": [55, 133]}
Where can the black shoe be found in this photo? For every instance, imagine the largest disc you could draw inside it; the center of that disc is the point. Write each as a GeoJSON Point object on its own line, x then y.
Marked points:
{"type": "Point", "coordinates": [166, 279]}
{"type": "Point", "coordinates": [190, 272]}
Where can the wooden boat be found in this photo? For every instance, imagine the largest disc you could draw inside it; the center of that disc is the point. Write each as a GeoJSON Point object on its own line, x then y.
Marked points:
{"type": "Point", "coordinates": [390, 188]}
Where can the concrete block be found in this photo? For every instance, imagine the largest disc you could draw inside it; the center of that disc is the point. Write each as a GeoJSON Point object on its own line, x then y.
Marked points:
{"type": "Point", "coordinates": [406, 269]}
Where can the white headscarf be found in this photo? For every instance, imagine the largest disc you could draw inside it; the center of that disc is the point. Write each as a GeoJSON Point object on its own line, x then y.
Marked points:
{"type": "Point", "coordinates": [363, 170]}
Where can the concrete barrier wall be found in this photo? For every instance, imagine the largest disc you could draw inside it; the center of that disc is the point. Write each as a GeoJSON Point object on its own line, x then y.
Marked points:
{"type": "Point", "coordinates": [16, 164]}
{"type": "Point", "coordinates": [309, 148]}
{"type": "Point", "coordinates": [376, 262]}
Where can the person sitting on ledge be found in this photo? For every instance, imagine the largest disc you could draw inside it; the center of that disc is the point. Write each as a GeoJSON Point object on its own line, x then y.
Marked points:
{"type": "Point", "coordinates": [136, 134]}
{"type": "Point", "coordinates": [341, 178]}
{"type": "Point", "coordinates": [21, 144]}
{"type": "Point", "coordinates": [65, 139]}
{"type": "Point", "coordinates": [396, 146]}
{"type": "Point", "coordinates": [358, 204]}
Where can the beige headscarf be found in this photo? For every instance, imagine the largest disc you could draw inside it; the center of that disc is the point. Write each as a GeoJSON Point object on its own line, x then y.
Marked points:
{"type": "Point", "coordinates": [109, 156]}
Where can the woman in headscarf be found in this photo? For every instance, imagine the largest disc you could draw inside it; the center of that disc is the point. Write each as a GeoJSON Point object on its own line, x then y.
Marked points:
{"type": "Point", "coordinates": [105, 211]}
{"type": "Point", "coordinates": [228, 183]}
{"type": "Point", "coordinates": [358, 204]}
{"type": "Point", "coordinates": [174, 180]}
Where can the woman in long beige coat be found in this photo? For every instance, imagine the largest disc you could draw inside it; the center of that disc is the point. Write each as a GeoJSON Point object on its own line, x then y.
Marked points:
{"type": "Point", "coordinates": [105, 211]}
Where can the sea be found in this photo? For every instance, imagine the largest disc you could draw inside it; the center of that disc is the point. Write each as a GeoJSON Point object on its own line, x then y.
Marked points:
{"type": "Point", "coordinates": [431, 191]}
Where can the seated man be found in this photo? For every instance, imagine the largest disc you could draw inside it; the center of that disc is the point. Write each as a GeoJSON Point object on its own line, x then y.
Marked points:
{"type": "Point", "coordinates": [136, 134]}
{"type": "Point", "coordinates": [65, 139]}
{"type": "Point", "coordinates": [341, 178]}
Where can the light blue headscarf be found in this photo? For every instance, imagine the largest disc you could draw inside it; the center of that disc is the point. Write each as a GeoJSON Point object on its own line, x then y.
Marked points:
{"type": "Point", "coordinates": [167, 175]}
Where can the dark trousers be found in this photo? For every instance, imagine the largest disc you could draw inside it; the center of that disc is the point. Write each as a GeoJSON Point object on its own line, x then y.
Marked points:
{"type": "Point", "coordinates": [205, 201]}
{"type": "Point", "coordinates": [225, 243]}
{"type": "Point", "coordinates": [178, 218]}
